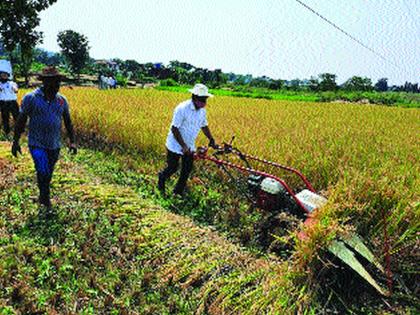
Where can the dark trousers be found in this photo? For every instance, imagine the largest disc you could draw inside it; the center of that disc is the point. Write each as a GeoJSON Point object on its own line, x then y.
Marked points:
{"type": "Point", "coordinates": [172, 161]}
{"type": "Point", "coordinates": [44, 161]}
{"type": "Point", "coordinates": [7, 108]}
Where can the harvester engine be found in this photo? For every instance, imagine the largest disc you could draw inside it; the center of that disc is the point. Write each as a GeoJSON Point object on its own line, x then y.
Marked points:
{"type": "Point", "coordinates": [270, 195]}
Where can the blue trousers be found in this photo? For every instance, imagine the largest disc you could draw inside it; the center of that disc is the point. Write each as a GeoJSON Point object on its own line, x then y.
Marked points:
{"type": "Point", "coordinates": [44, 161]}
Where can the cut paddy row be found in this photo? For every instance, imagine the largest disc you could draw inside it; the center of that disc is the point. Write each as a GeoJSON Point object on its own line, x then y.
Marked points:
{"type": "Point", "coordinates": [110, 251]}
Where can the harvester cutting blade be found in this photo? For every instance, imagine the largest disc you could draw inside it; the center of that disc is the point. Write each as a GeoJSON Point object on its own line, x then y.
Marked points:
{"type": "Point", "coordinates": [356, 243]}
{"type": "Point", "coordinates": [341, 250]}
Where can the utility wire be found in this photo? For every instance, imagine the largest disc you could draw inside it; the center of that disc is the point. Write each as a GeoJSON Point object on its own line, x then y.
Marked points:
{"type": "Point", "coordinates": [344, 32]}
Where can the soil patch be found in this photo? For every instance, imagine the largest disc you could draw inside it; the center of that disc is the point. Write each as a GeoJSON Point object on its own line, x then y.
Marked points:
{"type": "Point", "coordinates": [7, 174]}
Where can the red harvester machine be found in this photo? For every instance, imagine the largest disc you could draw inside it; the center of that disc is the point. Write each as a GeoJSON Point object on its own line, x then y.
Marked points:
{"type": "Point", "coordinates": [270, 192]}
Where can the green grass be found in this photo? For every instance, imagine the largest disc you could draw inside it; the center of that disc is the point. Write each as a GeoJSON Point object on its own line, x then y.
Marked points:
{"type": "Point", "coordinates": [400, 99]}
{"type": "Point", "coordinates": [251, 93]}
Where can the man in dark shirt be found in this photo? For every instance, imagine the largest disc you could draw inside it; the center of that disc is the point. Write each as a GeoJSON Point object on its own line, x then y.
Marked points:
{"type": "Point", "coordinates": [46, 109]}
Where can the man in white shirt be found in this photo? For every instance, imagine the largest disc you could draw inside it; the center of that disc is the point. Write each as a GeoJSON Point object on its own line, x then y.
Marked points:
{"type": "Point", "coordinates": [8, 100]}
{"type": "Point", "coordinates": [189, 118]}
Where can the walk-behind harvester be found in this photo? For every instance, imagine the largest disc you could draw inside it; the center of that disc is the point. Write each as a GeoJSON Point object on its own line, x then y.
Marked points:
{"type": "Point", "coordinates": [271, 193]}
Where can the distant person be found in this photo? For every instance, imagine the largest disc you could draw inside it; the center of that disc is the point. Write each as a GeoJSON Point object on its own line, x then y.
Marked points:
{"type": "Point", "coordinates": [100, 81]}
{"type": "Point", "coordinates": [113, 83]}
{"type": "Point", "coordinates": [189, 117]}
{"type": "Point", "coordinates": [8, 100]}
{"type": "Point", "coordinates": [46, 109]}
{"type": "Point", "coordinates": [103, 82]}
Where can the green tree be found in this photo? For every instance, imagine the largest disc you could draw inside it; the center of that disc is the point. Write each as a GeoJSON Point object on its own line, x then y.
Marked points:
{"type": "Point", "coordinates": [131, 66]}
{"type": "Point", "coordinates": [295, 84]}
{"type": "Point", "coordinates": [262, 82]}
{"type": "Point", "coordinates": [217, 78]}
{"type": "Point", "coordinates": [410, 87]}
{"type": "Point", "coordinates": [180, 71]}
{"type": "Point", "coordinates": [356, 83]}
{"type": "Point", "coordinates": [313, 84]}
{"type": "Point", "coordinates": [47, 58]}
{"type": "Point", "coordinates": [75, 48]}
{"type": "Point", "coordinates": [241, 79]}
{"type": "Point", "coordinates": [382, 85]}
{"type": "Point", "coordinates": [18, 22]}
{"type": "Point", "coordinates": [327, 82]}
{"type": "Point", "coordinates": [276, 84]}
{"type": "Point", "coordinates": [2, 50]}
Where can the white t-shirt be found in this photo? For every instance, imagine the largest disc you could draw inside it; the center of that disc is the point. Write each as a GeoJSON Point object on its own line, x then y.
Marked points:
{"type": "Point", "coordinates": [7, 91]}
{"type": "Point", "coordinates": [189, 121]}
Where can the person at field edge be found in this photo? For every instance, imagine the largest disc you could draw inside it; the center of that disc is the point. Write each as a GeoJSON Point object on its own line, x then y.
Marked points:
{"type": "Point", "coordinates": [188, 119]}
{"type": "Point", "coordinates": [46, 109]}
{"type": "Point", "coordinates": [8, 100]}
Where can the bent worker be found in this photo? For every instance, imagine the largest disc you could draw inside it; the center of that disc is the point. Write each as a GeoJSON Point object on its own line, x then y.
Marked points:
{"type": "Point", "coordinates": [46, 109]}
{"type": "Point", "coordinates": [8, 100]}
{"type": "Point", "coordinates": [189, 117]}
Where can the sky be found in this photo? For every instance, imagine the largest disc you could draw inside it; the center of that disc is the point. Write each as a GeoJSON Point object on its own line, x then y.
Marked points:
{"type": "Point", "coordinates": [277, 38]}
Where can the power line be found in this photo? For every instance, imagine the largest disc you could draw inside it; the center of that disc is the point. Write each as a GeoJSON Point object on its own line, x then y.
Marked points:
{"type": "Point", "coordinates": [345, 32]}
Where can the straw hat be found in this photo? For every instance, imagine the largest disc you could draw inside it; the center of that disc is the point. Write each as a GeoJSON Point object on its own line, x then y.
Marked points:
{"type": "Point", "coordinates": [200, 90]}
{"type": "Point", "coordinates": [50, 72]}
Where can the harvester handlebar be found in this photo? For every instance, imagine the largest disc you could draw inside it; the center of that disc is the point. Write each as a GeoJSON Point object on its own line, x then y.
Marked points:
{"type": "Point", "coordinates": [225, 148]}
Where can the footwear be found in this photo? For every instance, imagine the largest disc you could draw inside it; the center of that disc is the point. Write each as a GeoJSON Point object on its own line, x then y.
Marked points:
{"type": "Point", "coordinates": [181, 192]}
{"type": "Point", "coordinates": [50, 213]}
{"type": "Point", "coordinates": [45, 202]}
{"type": "Point", "coordinates": [178, 194]}
{"type": "Point", "coordinates": [46, 213]}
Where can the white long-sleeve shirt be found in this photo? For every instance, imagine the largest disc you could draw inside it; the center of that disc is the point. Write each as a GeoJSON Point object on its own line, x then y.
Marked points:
{"type": "Point", "coordinates": [8, 91]}
{"type": "Point", "coordinates": [189, 121]}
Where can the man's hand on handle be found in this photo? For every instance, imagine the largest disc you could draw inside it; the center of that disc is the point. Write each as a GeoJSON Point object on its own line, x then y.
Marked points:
{"type": "Point", "coordinates": [212, 144]}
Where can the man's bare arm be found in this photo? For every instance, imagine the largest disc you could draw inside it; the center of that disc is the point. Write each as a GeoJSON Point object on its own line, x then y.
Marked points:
{"type": "Point", "coordinates": [20, 126]}
{"type": "Point", "coordinates": [70, 131]}
{"type": "Point", "coordinates": [178, 137]}
{"type": "Point", "coordinates": [207, 133]}
{"type": "Point", "coordinates": [69, 127]}
{"type": "Point", "coordinates": [19, 129]}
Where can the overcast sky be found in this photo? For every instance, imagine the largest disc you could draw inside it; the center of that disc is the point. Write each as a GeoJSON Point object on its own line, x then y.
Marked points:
{"type": "Point", "coordinates": [277, 38]}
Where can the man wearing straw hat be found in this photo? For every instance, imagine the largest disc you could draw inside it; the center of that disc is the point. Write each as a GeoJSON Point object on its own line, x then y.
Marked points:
{"type": "Point", "coordinates": [188, 119]}
{"type": "Point", "coordinates": [46, 109]}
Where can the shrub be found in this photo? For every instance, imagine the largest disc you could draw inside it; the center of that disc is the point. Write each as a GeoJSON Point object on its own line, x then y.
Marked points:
{"type": "Point", "coordinates": [169, 82]}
